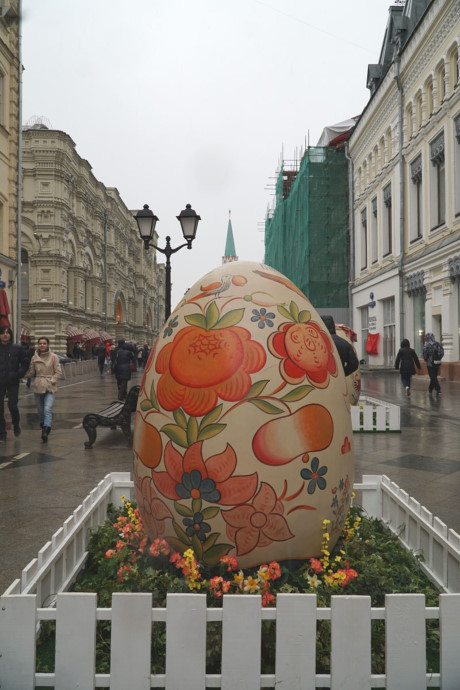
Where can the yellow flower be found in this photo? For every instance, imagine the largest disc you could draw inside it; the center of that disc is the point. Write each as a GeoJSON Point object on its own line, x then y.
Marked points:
{"type": "Point", "coordinates": [313, 580]}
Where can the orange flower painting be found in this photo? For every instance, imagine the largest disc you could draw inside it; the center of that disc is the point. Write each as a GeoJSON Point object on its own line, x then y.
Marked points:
{"type": "Point", "coordinates": [202, 365]}
{"type": "Point", "coordinates": [257, 524]}
{"type": "Point", "coordinates": [305, 350]}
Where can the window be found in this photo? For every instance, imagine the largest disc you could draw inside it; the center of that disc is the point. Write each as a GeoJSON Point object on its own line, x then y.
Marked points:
{"type": "Point", "coordinates": [410, 130]}
{"type": "Point", "coordinates": [457, 165]}
{"type": "Point", "coordinates": [437, 183]}
{"type": "Point", "coordinates": [429, 97]}
{"type": "Point", "coordinates": [374, 233]}
{"type": "Point", "coordinates": [387, 221]}
{"type": "Point", "coordinates": [24, 275]}
{"type": "Point", "coordinates": [389, 329]}
{"type": "Point", "coordinates": [418, 111]}
{"type": "Point", "coordinates": [363, 239]}
{"type": "Point", "coordinates": [388, 145]}
{"type": "Point", "coordinates": [415, 227]}
{"type": "Point", "coordinates": [441, 84]}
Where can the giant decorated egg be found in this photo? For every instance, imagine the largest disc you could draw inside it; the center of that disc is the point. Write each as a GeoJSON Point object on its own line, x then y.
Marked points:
{"type": "Point", "coordinates": [243, 438]}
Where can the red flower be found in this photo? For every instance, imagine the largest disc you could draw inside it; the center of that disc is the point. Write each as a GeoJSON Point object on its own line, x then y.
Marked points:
{"type": "Point", "coordinates": [202, 365]}
{"type": "Point", "coordinates": [257, 524]}
{"type": "Point", "coordinates": [305, 350]}
{"type": "Point", "coordinates": [189, 476]}
{"type": "Point", "coordinates": [154, 512]}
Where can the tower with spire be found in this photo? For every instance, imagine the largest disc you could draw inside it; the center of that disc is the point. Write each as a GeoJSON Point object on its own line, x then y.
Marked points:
{"type": "Point", "coordinates": [230, 253]}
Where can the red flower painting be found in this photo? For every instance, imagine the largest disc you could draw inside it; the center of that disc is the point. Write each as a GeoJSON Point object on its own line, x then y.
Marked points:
{"type": "Point", "coordinates": [154, 512]}
{"type": "Point", "coordinates": [257, 524]}
{"type": "Point", "coordinates": [305, 350]}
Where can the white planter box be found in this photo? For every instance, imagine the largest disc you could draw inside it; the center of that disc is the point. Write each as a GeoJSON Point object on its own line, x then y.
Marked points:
{"type": "Point", "coordinates": [371, 414]}
{"type": "Point", "coordinates": [23, 606]}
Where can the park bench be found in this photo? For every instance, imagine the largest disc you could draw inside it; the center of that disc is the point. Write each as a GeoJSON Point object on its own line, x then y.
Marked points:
{"type": "Point", "coordinates": [117, 414]}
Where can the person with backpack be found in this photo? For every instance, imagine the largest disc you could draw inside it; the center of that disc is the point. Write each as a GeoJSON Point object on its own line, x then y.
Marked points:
{"type": "Point", "coordinates": [406, 361]}
{"type": "Point", "coordinates": [45, 370]}
{"type": "Point", "coordinates": [433, 352]}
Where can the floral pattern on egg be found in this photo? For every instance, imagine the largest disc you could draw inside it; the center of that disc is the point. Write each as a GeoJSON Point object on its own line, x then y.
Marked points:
{"type": "Point", "coordinates": [242, 444]}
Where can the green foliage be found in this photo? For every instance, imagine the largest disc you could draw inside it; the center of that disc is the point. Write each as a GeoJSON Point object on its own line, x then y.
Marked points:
{"type": "Point", "coordinates": [383, 565]}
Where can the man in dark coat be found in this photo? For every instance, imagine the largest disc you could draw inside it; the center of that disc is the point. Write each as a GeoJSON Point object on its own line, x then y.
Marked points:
{"type": "Point", "coordinates": [13, 366]}
{"type": "Point", "coordinates": [346, 352]}
{"type": "Point", "coordinates": [101, 355]}
{"type": "Point", "coordinates": [124, 356]}
{"type": "Point", "coordinates": [406, 361]}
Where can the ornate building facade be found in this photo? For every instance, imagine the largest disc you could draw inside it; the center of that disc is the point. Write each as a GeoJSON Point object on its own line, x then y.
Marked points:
{"type": "Point", "coordinates": [84, 269]}
{"type": "Point", "coordinates": [9, 154]}
{"type": "Point", "coordinates": [405, 152]}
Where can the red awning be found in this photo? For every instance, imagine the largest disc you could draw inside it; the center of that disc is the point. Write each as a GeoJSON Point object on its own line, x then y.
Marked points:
{"type": "Point", "coordinates": [4, 308]}
{"type": "Point", "coordinates": [75, 335]}
{"type": "Point", "coordinates": [91, 337]}
{"type": "Point", "coordinates": [105, 337]}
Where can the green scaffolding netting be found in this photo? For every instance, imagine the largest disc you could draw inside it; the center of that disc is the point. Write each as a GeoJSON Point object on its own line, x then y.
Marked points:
{"type": "Point", "coordinates": [306, 237]}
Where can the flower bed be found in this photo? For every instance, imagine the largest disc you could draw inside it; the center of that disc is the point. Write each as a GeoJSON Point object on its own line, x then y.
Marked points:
{"type": "Point", "coordinates": [306, 635]}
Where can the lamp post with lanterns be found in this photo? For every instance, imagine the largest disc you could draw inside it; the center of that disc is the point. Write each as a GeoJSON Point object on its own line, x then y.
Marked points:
{"type": "Point", "coordinates": [146, 221]}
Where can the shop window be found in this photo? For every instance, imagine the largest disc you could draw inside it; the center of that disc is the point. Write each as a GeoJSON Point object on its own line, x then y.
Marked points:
{"type": "Point", "coordinates": [418, 302]}
{"type": "Point", "coordinates": [389, 331]}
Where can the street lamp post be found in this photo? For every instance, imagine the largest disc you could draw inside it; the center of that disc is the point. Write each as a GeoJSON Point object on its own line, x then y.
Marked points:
{"type": "Point", "coordinates": [146, 221]}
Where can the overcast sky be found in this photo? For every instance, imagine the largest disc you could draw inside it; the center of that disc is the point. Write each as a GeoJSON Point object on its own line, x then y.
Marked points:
{"type": "Point", "coordinates": [193, 101]}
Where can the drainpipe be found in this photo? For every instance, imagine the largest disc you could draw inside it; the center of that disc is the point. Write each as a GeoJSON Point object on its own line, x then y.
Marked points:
{"type": "Point", "coordinates": [105, 270]}
{"type": "Point", "coordinates": [19, 209]}
{"type": "Point", "coordinates": [351, 226]}
{"type": "Point", "coordinates": [397, 64]}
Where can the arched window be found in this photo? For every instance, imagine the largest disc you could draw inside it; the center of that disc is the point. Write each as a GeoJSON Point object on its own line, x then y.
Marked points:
{"type": "Point", "coordinates": [429, 97]}
{"type": "Point", "coordinates": [409, 121]}
{"type": "Point", "coordinates": [441, 84]}
{"type": "Point", "coordinates": [119, 312]}
{"type": "Point", "coordinates": [418, 111]}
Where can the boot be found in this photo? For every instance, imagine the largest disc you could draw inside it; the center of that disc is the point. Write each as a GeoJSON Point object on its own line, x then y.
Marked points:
{"type": "Point", "coordinates": [45, 431]}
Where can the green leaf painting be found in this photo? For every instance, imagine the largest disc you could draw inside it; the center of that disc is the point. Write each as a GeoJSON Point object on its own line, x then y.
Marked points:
{"type": "Point", "coordinates": [212, 315]}
{"type": "Point", "coordinates": [230, 319]}
{"type": "Point", "coordinates": [180, 418]}
{"type": "Point", "coordinates": [210, 431]}
{"type": "Point", "coordinates": [212, 416]}
{"type": "Point", "coordinates": [266, 406]}
{"type": "Point", "coordinates": [297, 393]}
{"type": "Point", "coordinates": [176, 434]}
{"type": "Point", "coordinates": [257, 388]}
{"type": "Point", "coordinates": [196, 320]}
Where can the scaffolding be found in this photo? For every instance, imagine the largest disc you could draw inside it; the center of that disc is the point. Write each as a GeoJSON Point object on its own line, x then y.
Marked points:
{"type": "Point", "coordinates": [306, 233]}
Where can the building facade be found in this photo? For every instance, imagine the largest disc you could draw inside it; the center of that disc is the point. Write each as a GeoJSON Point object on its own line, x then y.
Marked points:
{"type": "Point", "coordinates": [9, 155]}
{"type": "Point", "coordinates": [405, 152]}
{"type": "Point", "coordinates": [84, 268]}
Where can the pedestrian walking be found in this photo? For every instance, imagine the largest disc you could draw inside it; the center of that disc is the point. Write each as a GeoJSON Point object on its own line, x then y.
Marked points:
{"type": "Point", "coordinates": [101, 355]}
{"type": "Point", "coordinates": [45, 370]}
{"type": "Point", "coordinates": [13, 365]}
{"type": "Point", "coordinates": [145, 355]}
{"type": "Point", "coordinates": [433, 352]}
{"type": "Point", "coordinates": [123, 366]}
{"type": "Point", "coordinates": [406, 361]}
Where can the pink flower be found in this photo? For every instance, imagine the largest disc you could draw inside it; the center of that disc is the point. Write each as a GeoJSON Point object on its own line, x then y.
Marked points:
{"type": "Point", "coordinates": [230, 562]}
{"type": "Point", "coordinates": [315, 565]}
{"type": "Point", "coordinates": [257, 524]}
{"type": "Point", "coordinates": [159, 546]}
{"type": "Point", "coordinates": [110, 553]}
{"type": "Point", "coordinates": [267, 599]}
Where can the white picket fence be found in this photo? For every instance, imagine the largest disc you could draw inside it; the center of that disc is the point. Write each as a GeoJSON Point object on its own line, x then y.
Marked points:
{"type": "Point", "coordinates": [371, 414]}
{"type": "Point", "coordinates": [45, 579]}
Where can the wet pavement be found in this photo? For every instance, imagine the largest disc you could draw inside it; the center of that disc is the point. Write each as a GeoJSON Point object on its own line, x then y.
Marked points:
{"type": "Point", "coordinates": [41, 485]}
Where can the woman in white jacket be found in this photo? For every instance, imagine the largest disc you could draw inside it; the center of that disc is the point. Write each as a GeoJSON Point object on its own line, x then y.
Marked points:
{"type": "Point", "coordinates": [45, 370]}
